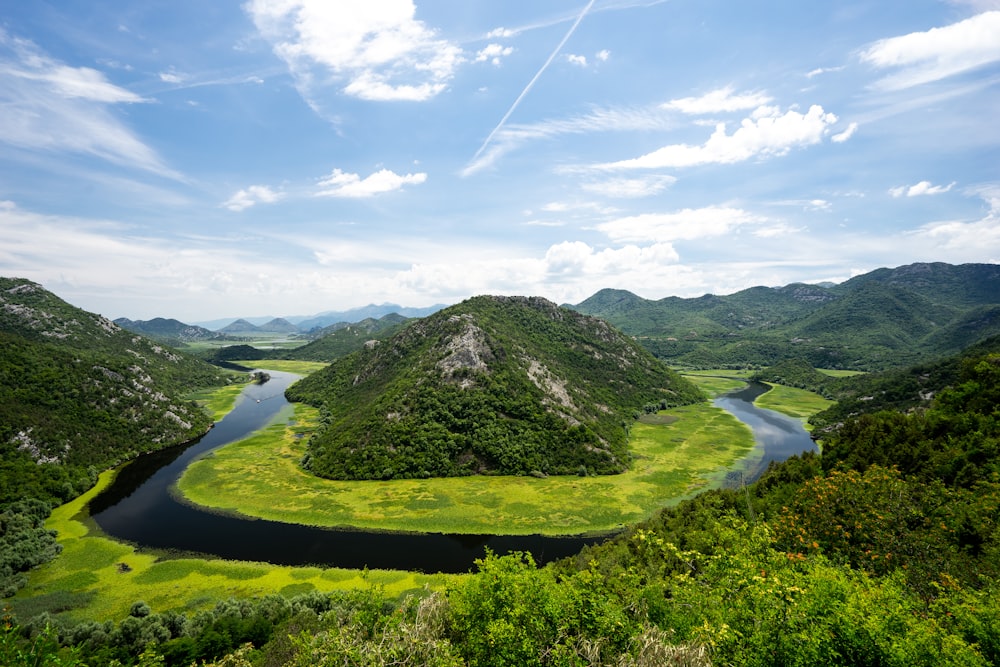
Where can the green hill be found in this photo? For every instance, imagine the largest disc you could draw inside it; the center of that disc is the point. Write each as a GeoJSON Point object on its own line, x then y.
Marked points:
{"type": "Point", "coordinates": [341, 339]}
{"type": "Point", "coordinates": [80, 394]}
{"type": "Point", "coordinates": [885, 318]}
{"type": "Point", "coordinates": [506, 385]}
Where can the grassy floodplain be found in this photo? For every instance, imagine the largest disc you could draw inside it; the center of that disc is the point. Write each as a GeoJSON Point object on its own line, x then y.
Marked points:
{"type": "Point", "coordinates": [97, 578]}
{"type": "Point", "coordinates": [793, 402]}
{"type": "Point", "coordinates": [260, 477]}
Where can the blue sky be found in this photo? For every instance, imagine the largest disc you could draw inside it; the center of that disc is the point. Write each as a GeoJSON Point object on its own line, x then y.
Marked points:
{"type": "Point", "coordinates": [200, 160]}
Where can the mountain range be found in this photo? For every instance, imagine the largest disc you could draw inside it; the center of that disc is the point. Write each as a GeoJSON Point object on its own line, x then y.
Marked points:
{"type": "Point", "coordinates": [888, 317]}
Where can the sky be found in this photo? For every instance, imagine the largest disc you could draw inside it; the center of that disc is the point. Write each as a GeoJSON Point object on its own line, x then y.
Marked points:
{"type": "Point", "coordinates": [202, 160]}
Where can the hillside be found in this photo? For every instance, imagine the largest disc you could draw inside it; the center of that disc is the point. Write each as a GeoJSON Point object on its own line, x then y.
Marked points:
{"type": "Point", "coordinates": [168, 330]}
{"type": "Point", "coordinates": [885, 318]}
{"type": "Point", "coordinates": [80, 394]}
{"type": "Point", "coordinates": [338, 340]}
{"type": "Point", "coordinates": [506, 385]}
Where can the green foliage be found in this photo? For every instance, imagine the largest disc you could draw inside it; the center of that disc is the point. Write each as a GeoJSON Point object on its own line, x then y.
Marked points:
{"type": "Point", "coordinates": [24, 542]}
{"type": "Point", "coordinates": [493, 385]}
{"type": "Point", "coordinates": [80, 395]}
{"type": "Point", "coordinates": [884, 319]}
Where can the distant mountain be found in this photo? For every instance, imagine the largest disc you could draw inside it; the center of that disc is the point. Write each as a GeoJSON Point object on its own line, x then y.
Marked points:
{"type": "Point", "coordinates": [338, 340]}
{"type": "Point", "coordinates": [278, 325]}
{"type": "Point", "coordinates": [240, 327]}
{"type": "Point", "coordinates": [371, 311]}
{"type": "Point", "coordinates": [80, 394]}
{"type": "Point", "coordinates": [166, 330]}
{"type": "Point", "coordinates": [504, 385]}
{"type": "Point", "coordinates": [888, 317]}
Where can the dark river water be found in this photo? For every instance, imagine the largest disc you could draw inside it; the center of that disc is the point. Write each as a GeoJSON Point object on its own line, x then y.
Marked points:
{"type": "Point", "coordinates": [138, 506]}
{"type": "Point", "coordinates": [778, 437]}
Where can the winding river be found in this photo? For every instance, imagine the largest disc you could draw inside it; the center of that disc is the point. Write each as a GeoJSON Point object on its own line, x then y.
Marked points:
{"type": "Point", "coordinates": [138, 507]}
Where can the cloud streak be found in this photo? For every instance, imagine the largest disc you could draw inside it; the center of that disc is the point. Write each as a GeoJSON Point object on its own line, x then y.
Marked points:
{"type": "Point", "coordinates": [923, 57]}
{"type": "Point", "coordinates": [49, 106]}
{"type": "Point", "coordinates": [531, 84]}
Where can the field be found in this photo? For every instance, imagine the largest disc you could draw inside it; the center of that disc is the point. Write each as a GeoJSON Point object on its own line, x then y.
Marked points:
{"type": "Point", "coordinates": [96, 578]}
{"type": "Point", "coordinates": [260, 477]}
{"type": "Point", "coordinates": [793, 402]}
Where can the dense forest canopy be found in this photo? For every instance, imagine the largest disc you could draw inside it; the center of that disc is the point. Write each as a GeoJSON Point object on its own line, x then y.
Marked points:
{"type": "Point", "coordinates": [507, 385]}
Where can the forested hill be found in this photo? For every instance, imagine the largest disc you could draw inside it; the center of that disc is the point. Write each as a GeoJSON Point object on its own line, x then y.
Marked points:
{"type": "Point", "coordinates": [80, 394]}
{"type": "Point", "coordinates": [885, 318]}
{"type": "Point", "coordinates": [510, 385]}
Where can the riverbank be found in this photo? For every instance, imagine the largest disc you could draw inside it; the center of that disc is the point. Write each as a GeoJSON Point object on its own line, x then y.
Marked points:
{"type": "Point", "coordinates": [259, 477]}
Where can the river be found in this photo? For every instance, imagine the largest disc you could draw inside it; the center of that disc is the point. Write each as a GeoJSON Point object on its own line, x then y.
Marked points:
{"type": "Point", "coordinates": [138, 506]}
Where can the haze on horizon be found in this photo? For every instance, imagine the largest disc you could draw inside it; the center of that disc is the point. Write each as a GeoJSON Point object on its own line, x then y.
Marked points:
{"type": "Point", "coordinates": [203, 160]}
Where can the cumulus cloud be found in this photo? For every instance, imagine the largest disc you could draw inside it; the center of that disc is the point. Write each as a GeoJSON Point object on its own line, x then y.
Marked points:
{"type": "Point", "coordinates": [921, 188]}
{"type": "Point", "coordinates": [574, 59]}
{"type": "Point", "coordinates": [630, 187]}
{"type": "Point", "coordinates": [50, 106]}
{"type": "Point", "coordinates": [603, 55]}
{"type": "Point", "coordinates": [766, 133]}
{"type": "Point", "coordinates": [685, 225]}
{"type": "Point", "coordinates": [377, 51]}
{"type": "Point", "coordinates": [251, 196]}
{"type": "Point", "coordinates": [493, 53]}
{"type": "Point", "coordinates": [577, 258]}
{"type": "Point", "coordinates": [722, 100]}
{"type": "Point", "coordinates": [923, 57]}
{"type": "Point", "coordinates": [343, 184]}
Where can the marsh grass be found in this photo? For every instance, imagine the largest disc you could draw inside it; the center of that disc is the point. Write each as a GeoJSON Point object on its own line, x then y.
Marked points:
{"type": "Point", "coordinates": [218, 401]}
{"type": "Point", "coordinates": [716, 385]}
{"type": "Point", "coordinates": [260, 477]}
{"type": "Point", "coordinates": [97, 578]}
{"type": "Point", "coordinates": [286, 365]}
{"type": "Point", "coordinates": [797, 403]}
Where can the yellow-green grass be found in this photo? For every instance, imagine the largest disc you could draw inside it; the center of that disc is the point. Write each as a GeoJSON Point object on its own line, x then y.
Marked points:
{"type": "Point", "coordinates": [218, 401]}
{"type": "Point", "coordinates": [260, 477]}
{"type": "Point", "coordinates": [720, 372]}
{"type": "Point", "coordinates": [839, 374]}
{"type": "Point", "coordinates": [797, 403]}
{"type": "Point", "coordinates": [97, 578]}
{"type": "Point", "coordinates": [715, 385]}
{"type": "Point", "coordinates": [286, 365]}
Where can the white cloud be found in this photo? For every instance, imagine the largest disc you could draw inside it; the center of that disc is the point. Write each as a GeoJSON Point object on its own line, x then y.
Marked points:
{"type": "Point", "coordinates": [49, 106]}
{"type": "Point", "coordinates": [841, 137]}
{"type": "Point", "coordinates": [685, 225]}
{"type": "Point", "coordinates": [255, 194]}
{"type": "Point", "coordinates": [923, 57]}
{"type": "Point", "coordinates": [603, 55]}
{"type": "Point", "coordinates": [718, 101]}
{"type": "Point", "coordinates": [630, 187]}
{"type": "Point", "coordinates": [172, 76]}
{"type": "Point", "coordinates": [378, 48]}
{"type": "Point", "coordinates": [343, 184]}
{"type": "Point", "coordinates": [493, 53]}
{"type": "Point", "coordinates": [575, 258]}
{"type": "Point", "coordinates": [921, 188]}
{"type": "Point", "coordinates": [766, 134]}
{"type": "Point", "coordinates": [574, 59]}
{"type": "Point", "coordinates": [500, 33]}
{"type": "Point", "coordinates": [822, 70]}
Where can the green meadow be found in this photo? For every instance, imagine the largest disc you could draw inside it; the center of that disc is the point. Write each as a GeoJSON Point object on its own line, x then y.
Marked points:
{"type": "Point", "coordinates": [793, 402]}
{"type": "Point", "coordinates": [97, 578]}
{"type": "Point", "coordinates": [260, 477]}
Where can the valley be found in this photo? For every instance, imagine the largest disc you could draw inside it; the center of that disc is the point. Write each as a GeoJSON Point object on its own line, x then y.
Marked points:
{"type": "Point", "coordinates": [509, 444]}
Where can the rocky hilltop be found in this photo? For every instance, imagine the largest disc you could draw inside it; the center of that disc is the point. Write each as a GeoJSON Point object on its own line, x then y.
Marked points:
{"type": "Point", "coordinates": [494, 385]}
